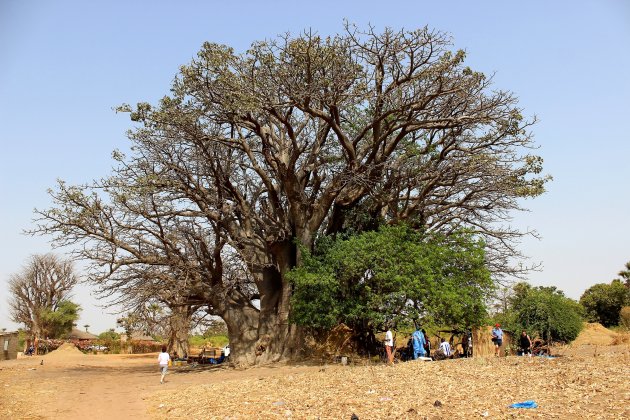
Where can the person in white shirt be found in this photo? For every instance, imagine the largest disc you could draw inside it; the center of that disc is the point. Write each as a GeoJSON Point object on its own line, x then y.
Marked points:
{"type": "Point", "coordinates": [163, 359]}
{"type": "Point", "coordinates": [389, 344]}
{"type": "Point", "coordinates": [446, 348]}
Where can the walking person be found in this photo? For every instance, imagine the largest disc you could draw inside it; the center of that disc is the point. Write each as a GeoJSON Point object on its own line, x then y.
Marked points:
{"type": "Point", "coordinates": [497, 338]}
{"type": "Point", "coordinates": [163, 359]}
{"type": "Point", "coordinates": [389, 344]}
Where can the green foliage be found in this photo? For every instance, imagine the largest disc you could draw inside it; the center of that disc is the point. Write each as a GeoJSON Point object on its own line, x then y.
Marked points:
{"type": "Point", "coordinates": [109, 335]}
{"type": "Point", "coordinates": [603, 302]}
{"type": "Point", "coordinates": [544, 311]}
{"type": "Point", "coordinates": [56, 323]}
{"type": "Point", "coordinates": [392, 276]}
{"type": "Point", "coordinates": [219, 340]}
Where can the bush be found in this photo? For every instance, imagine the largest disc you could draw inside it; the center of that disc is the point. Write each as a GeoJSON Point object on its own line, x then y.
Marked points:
{"type": "Point", "coordinates": [547, 312]}
{"type": "Point", "coordinates": [624, 317]}
{"type": "Point", "coordinates": [218, 340]}
{"type": "Point", "coordinates": [603, 302]}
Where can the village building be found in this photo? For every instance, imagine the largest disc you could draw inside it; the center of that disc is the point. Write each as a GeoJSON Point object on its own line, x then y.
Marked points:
{"type": "Point", "coordinates": [9, 343]}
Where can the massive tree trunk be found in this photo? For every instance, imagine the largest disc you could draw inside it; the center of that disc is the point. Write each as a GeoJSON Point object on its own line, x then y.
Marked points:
{"type": "Point", "coordinates": [179, 327]}
{"type": "Point", "coordinates": [264, 335]}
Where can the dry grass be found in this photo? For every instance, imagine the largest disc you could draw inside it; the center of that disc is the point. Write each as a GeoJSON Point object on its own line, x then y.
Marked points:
{"type": "Point", "coordinates": [569, 387]}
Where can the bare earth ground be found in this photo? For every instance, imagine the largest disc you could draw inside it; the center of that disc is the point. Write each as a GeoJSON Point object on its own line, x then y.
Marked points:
{"type": "Point", "coordinates": [586, 382]}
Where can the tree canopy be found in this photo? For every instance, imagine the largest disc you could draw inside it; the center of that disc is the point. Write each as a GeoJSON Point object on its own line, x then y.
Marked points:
{"type": "Point", "coordinates": [39, 296]}
{"type": "Point", "coordinates": [603, 302]}
{"type": "Point", "coordinates": [253, 155]}
{"type": "Point", "coordinates": [390, 277]}
{"type": "Point", "coordinates": [543, 311]}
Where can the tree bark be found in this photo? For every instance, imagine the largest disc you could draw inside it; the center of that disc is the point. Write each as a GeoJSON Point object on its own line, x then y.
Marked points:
{"type": "Point", "coordinates": [178, 329]}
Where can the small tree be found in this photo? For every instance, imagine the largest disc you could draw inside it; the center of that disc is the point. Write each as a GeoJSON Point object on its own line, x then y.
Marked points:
{"type": "Point", "coordinates": [625, 274]}
{"type": "Point", "coordinates": [545, 311]}
{"type": "Point", "coordinates": [603, 302]}
{"type": "Point", "coordinates": [59, 322]}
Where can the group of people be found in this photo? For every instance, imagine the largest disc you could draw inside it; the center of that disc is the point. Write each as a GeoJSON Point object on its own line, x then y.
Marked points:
{"type": "Point", "coordinates": [420, 346]}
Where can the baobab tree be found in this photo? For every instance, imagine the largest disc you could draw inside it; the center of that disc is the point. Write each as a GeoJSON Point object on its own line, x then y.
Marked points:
{"type": "Point", "coordinates": [254, 155]}
{"type": "Point", "coordinates": [39, 296]}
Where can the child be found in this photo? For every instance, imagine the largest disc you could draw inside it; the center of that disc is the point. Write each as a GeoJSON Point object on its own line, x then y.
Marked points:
{"type": "Point", "coordinates": [163, 359]}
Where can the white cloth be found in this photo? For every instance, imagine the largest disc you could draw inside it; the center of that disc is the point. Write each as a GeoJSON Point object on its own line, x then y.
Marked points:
{"type": "Point", "coordinates": [389, 340]}
{"type": "Point", "coordinates": [163, 359]}
{"type": "Point", "coordinates": [446, 348]}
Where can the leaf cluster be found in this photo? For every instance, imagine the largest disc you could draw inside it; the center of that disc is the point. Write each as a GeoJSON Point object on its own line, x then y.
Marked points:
{"type": "Point", "coordinates": [390, 277]}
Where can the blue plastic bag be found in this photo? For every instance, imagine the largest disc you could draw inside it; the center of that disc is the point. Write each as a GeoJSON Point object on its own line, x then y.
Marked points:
{"type": "Point", "coordinates": [525, 404]}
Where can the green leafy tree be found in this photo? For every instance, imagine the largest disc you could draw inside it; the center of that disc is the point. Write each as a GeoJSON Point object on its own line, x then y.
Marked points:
{"type": "Point", "coordinates": [59, 322]}
{"type": "Point", "coordinates": [603, 302]}
{"type": "Point", "coordinates": [392, 276]}
{"type": "Point", "coordinates": [110, 335]}
{"type": "Point", "coordinates": [544, 311]}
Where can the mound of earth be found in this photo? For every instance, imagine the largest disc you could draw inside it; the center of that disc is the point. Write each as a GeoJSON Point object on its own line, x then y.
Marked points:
{"type": "Point", "coordinates": [596, 334]}
{"type": "Point", "coordinates": [65, 351]}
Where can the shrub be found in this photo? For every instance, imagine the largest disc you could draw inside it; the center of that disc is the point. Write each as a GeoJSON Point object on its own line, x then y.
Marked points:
{"type": "Point", "coordinates": [624, 317]}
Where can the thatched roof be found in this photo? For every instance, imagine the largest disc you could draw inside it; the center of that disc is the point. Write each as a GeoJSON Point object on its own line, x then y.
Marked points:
{"type": "Point", "coordinates": [77, 334]}
{"type": "Point", "coordinates": [138, 336]}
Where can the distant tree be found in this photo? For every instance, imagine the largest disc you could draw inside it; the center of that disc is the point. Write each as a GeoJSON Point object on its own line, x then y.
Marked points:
{"type": "Point", "coordinates": [625, 274]}
{"type": "Point", "coordinates": [392, 276]}
{"type": "Point", "coordinates": [37, 293]}
{"type": "Point", "coordinates": [109, 335]}
{"type": "Point", "coordinates": [59, 322]}
{"type": "Point", "coordinates": [545, 311]}
{"type": "Point", "coordinates": [602, 302]}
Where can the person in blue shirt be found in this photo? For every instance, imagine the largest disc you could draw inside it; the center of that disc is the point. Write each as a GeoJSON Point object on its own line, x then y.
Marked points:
{"type": "Point", "coordinates": [497, 338]}
{"type": "Point", "coordinates": [418, 344]}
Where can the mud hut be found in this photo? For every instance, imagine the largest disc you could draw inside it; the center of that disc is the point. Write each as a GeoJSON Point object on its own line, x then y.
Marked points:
{"type": "Point", "coordinates": [9, 343]}
{"type": "Point", "coordinates": [78, 335]}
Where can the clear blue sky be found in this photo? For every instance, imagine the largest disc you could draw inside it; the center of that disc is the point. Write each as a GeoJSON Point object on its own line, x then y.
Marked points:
{"type": "Point", "coordinates": [65, 64]}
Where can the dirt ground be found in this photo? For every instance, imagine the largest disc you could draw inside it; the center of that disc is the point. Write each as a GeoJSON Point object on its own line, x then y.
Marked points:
{"type": "Point", "coordinates": [587, 381]}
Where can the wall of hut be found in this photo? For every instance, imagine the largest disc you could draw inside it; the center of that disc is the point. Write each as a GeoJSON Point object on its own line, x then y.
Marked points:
{"type": "Point", "coordinates": [8, 345]}
{"type": "Point", "coordinates": [483, 345]}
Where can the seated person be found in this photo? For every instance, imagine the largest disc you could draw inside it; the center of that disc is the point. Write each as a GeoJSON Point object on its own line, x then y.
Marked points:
{"type": "Point", "coordinates": [445, 347]}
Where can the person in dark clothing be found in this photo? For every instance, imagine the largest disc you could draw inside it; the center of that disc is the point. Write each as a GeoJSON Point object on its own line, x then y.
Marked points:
{"type": "Point", "coordinates": [525, 344]}
{"type": "Point", "coordinates": [427, 343]}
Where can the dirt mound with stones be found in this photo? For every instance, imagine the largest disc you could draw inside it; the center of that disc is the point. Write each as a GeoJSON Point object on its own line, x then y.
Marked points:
{"type": "Point", "coordinates": [65, 351]}
{"type": "Point", "coordinates": [597, 335]}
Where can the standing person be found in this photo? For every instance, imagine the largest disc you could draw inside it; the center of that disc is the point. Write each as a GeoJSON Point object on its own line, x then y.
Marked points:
{"type": "Point", "coordinates": [497, 338]}
{"type": "Point", "coordinates": [418, 344]}
{"type": "Point", "coordinates": [427, 343]}
{"type": "Point", "coordinates": [445, 347]}
{"type": "Point", "coordinates": [163, 359]}
{"type": "Point", "coordinates": [525, 344]}
{"type": "Point", "coordinates": [389, 344]}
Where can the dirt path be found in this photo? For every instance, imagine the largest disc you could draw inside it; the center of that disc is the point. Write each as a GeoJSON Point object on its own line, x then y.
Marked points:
{"type": "Point", "coordinates": [101, 387]}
